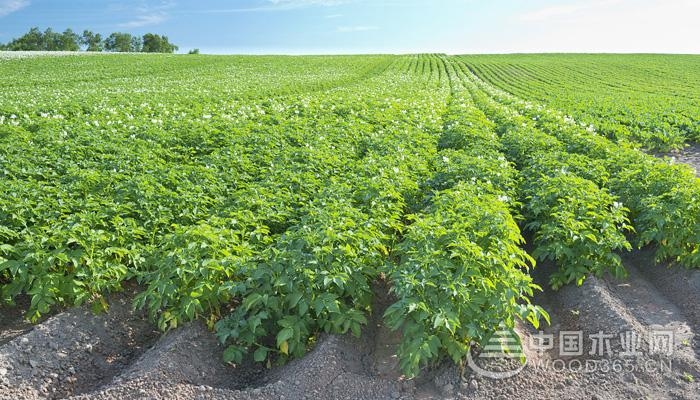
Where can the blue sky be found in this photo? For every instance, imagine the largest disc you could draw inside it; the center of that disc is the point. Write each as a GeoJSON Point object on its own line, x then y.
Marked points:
{"type": "Point", "coordinates": [378, 26]}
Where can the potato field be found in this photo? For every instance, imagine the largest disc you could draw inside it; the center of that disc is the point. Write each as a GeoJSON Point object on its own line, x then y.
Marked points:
{"type": "Point", "coordinates": [277, 199]}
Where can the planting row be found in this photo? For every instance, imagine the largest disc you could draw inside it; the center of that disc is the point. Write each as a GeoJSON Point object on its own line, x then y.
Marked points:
{"type": "Point", "coordinates": [648, 100]}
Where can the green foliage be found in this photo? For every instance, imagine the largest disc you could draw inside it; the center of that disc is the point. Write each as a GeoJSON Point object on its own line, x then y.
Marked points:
{"type": "Point", "coordinates": [122, 42]}
{"type": "Point", "coordinates": [92, 41]}
{"type": "Point", "coordinates": [454, 166]}
{"type": "Point", "coordinates": [153, 43]}
{"type": "Point", "coordinates": [267, 195]}
{"type": "Point", "coordinates": [661, 198]}
{"type": "Point", "coordinates": [524, 146]}
{"type": "Point", "coordinates": [648, 99]}
{"type": "Point", "coordinates": [665, 203]}
{"type": "Point", "coordinates": [576, 224]}
{"type": "Point", "coordinates": [35, 40]}
{"type": "Point", "coordinates": [461, 273]}
{"type": "Point", "coordinates": [190, 268]}
{"type": "Point", "coordinates": [316, 278]}
{"type": "Point", "coordinates": [467, 129]}
{"type": "Point", "coordinates": [92, 190]}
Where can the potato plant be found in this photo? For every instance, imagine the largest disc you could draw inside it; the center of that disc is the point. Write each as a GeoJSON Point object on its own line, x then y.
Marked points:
{"type": "Point", "coordinates": [465, 247]}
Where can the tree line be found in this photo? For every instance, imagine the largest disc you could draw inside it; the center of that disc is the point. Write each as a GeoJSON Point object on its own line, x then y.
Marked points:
{"type": "Point", "coordinates": [68, 40]}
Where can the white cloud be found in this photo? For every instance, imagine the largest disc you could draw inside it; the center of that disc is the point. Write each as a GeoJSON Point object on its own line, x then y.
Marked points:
{"type": "Point", "coordinates": [144, 20]}
{"type": "Point", "coordinates": [357, 28]}
{"type": "Point", "coordinates": [565, 10]}
{"type": "Point", "coordinates": [10, 6]}
{"type": "Point", "coordinates": [149, 15]}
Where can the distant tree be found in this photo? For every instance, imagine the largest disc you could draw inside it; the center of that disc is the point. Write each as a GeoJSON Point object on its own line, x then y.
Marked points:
{"type": "Point", "coordinates": [153, 43]}
{"type": "Point", "coordinates": [91, 41]}
{"type": "Point", "coordinates": [35, 40]}
{"type": "Point", "coordinates": [193, 51]}
{"type": "Point", "coordinates": [32, 40]}
{"type": "Point", "coordinates": [119, 42]}
{"type": "Point", "coordinates": [70, 41]}
{"type": "Point", "coordinates": [136, 44]}
{"type": "Point", "coordinates": [169, 47]}
{"type": "Point", "coordinates": [51, 41]}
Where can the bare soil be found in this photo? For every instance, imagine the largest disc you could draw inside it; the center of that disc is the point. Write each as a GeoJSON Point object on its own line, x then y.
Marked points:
{"type": "Point", "coordinates": [12, 321]}
{"type": "Point", "coordinates": [690, 155]}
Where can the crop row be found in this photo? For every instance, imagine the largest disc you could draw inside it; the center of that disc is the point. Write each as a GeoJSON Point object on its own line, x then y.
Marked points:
{"type": "Point", "coordinates": [575, 223]}
{"type": "Point", "coordinates": [461, 270]}
{"type": "Point", "coordinates": [661, 196]}
{"type": "Point", "coordinates": [648, 100]}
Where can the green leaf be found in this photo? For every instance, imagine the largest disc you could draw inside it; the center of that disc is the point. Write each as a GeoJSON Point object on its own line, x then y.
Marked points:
{"type": "Point", "coordinates": [233, 354]}
{"type": "Point", "coordinates": [284, 335]}
{"type": "Point", "coordinates": [260, 354]}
